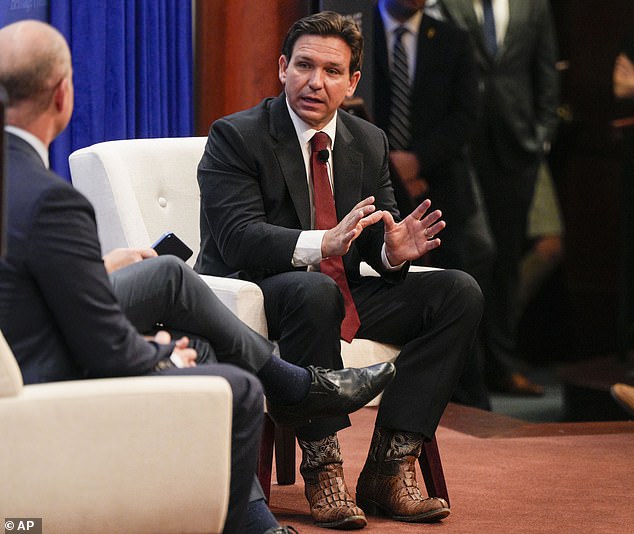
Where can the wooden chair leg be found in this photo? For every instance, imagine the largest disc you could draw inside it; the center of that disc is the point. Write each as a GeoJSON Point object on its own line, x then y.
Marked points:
{"type": "Point", "coordinates": [431, 467]}
{"type": "Point", "coordinates": [265, 461]}
{"type": "Point", "coordinates": [285, 455]}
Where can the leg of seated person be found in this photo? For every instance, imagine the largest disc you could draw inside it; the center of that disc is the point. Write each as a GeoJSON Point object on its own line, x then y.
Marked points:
{"type": "Point", "coordinates": [248, 413]}
{"type": "Point", "coordinates": [166, 291]}
{"type": "Point", "coordinates": [434, 316]}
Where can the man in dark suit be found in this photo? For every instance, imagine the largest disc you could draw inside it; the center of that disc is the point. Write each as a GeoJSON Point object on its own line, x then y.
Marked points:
{"type": "Point", "coordinates": [430, 158]}
{"type": "Point", "coordinates": [58, 309]}
{"type": "Point", "coordinates": [267, 176]}
{"type": "Point", "coordinates": [516, 51]}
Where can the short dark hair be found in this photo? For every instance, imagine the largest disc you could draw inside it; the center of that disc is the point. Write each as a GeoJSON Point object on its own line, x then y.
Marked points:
{"type": "Point", "coordinates": [328, 23]}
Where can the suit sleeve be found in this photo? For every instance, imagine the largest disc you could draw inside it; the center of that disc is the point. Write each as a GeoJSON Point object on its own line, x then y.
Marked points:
{"type": "Point", "coordinates": [235, 209]}
{"type": "Point", "coordinates": [65, 259]}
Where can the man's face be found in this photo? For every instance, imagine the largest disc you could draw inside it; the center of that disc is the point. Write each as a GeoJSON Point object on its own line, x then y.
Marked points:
{"type": "Point", "coordinates": [403, 9]}
{"type": "Point", "coordinates": [317, 79]}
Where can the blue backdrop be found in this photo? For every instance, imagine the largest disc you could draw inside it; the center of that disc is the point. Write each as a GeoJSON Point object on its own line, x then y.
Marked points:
{"type": "Point", "coordinates": [132, 62]}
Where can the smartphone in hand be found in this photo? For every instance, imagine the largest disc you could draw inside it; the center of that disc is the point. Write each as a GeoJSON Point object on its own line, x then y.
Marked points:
{"type": "Point", "coordinates": [169, 243]}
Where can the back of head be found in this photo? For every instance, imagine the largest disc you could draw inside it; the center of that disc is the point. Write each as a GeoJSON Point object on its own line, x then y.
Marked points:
{"type": "Point", "coordinates": [328, 23]}
{"type": "Point", "coordinates": [34, 59]}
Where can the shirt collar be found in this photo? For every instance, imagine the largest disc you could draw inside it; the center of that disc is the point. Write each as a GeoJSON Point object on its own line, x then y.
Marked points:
{"type": "Point", "coordinates": [412, 24]}
{"type": "Point", "coordinates": [305, 132]}
{"type": "Point", "coordinates": [37, 145]}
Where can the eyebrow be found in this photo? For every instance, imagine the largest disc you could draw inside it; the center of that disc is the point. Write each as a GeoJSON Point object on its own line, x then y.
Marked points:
{"type": "Point", "coordinates": [300, 57]}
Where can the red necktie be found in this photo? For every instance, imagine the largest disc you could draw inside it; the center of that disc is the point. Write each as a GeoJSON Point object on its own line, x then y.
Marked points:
{"type": "Point", "coordinates": [325, 219]}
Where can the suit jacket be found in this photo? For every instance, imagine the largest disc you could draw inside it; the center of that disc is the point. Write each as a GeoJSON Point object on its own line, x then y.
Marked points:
{"type": "Point", "coordinates": [443, 114]}
{"type": "Point", "coordinates": [255, 197]}
{"type": "Point", "coordinates": [520, 86]}
{"type": "Point", "coordinates": [57, 309]}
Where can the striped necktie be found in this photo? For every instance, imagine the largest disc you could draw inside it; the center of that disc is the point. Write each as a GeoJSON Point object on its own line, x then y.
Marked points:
{"type": "Point", "coordinates": [399, 133]}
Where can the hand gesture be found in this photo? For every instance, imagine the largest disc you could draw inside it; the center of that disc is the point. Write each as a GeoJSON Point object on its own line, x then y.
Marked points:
{"type": "Point", "coordinates": [414, 236]}
{"type": "Point", "coordinates": [337, 240]}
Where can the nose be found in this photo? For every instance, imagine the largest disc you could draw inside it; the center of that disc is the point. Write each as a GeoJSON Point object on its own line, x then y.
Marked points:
{"type": "Point", "coordinates": [316, 79]}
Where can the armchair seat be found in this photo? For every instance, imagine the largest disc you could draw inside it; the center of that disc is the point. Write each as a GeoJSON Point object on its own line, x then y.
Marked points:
{"type": "Point", "coordinates": [139, 454]}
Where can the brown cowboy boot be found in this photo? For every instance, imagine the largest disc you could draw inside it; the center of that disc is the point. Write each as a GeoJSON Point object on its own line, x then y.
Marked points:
{"type": "Point", "coordinates": [388, 484]}
{"type": "Point", "coordinates": [331, 505]}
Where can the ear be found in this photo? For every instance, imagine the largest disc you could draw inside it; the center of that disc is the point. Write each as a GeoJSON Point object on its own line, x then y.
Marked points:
{"type": "Point", "coordinates": [283, 65]}
{"type": "Point", "coordinates": [59, 97]}
{"type": "Point", "coordinates": [354, 81]}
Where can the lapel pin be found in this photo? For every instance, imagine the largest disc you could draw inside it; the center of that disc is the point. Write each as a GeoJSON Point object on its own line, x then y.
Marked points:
{"type": "Point", "coordinates": [431, 32]}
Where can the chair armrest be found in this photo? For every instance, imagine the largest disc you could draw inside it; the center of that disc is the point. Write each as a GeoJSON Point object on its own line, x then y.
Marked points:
{"type": "Point", "coordinates": [142, 454]}
{"type": "Point", "coordinates": [243, 298]}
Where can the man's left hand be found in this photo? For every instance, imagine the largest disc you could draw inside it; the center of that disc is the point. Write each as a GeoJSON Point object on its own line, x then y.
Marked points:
{"type": "Point", "coordinates": [122, 257]}
{"type": "Point", "coordinates": [414, 236]}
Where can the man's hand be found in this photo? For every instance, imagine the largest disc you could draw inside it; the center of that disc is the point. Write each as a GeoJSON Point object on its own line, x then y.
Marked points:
{"type": "Point", "coordinates": [414, 236]}
{"type": "Point", "coordinates": [122, 257]}
{"type": "Point", "coordinates": [407, 168]}
{"type": "Point", "coordinates": [623, 77]}
{"type": "Point", "coordinates": [182, 356]}
{"type": "Point", "coordinates": [337, 240]}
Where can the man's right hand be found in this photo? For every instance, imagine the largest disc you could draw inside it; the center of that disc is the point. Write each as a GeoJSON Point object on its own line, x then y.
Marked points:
{"type": "Point", "coordinates": [337, 240]}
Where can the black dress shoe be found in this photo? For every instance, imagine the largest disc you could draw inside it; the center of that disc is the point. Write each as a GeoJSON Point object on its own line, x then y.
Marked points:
{"type": "Point", "coordinates": [335, 393]}
{"type": "Point", "coordinates": [282, 530]}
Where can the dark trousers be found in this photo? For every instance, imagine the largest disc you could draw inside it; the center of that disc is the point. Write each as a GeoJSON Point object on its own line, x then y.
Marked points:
{"type": "Point", "coordinates": [433, 315]}
{"type": "Point", "coordinates": [246, 429]}
{"type": "Point", "coordinates": [507, 190]}
{"type": "Point", "coordinates": [165, 293]}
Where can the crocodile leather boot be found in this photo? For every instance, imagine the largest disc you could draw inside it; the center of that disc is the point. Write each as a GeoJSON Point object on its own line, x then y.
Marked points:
{"type": "Point", "coordinates": [387, 484]}
{"type": "Point", "coordinates": [331, 505]}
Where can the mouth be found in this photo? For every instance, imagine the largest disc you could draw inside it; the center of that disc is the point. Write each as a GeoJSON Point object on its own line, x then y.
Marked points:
{"type": "Point", "coordinates": [312, 100]}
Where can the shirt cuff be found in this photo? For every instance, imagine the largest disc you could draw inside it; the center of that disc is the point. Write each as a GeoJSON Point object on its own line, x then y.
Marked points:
{"type": "Point", "coordinates": [308, 248]}
{"type": "Point", "coordinates": [386, 263]}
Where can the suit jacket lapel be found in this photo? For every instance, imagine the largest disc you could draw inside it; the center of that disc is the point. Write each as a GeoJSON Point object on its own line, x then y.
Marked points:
{"type": "Point", "coordinates": [348, 169]}
{"type": "Point", "coordinates": [289, 155]}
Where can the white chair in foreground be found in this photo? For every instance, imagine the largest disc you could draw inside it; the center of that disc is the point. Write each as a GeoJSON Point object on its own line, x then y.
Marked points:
{"type": "Point", "coordinates": [143, 454]}
{"type": "Point", "coordinates": [141, 188]}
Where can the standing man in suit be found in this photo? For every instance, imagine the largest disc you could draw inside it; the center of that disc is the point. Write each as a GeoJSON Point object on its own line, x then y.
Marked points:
{"type": "Point", "coordinates": [267, 178]}
{"type": "Point", "coordinates": [516, 52]}
{"type": "Point", "coordinates": [428, 154]}
{"type": "Point", "coordinates": [60, 313]}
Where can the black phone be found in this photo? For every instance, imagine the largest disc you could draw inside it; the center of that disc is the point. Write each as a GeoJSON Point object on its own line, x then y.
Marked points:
{"type": "Point", "coordinates": [169, 243]}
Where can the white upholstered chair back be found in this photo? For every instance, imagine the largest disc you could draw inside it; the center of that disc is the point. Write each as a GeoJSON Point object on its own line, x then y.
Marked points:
{"type": "Point", "coordinates": [141, 188]}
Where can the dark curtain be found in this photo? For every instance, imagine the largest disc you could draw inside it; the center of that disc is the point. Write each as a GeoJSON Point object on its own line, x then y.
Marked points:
{"type": "Point", "coordinates": [132, 62]}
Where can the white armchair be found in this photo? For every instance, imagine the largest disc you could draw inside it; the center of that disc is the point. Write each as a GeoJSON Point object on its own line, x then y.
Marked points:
{"type": "Point", "coordinates": [141, 188]}
{"type": "Point", "coordinates": [142, 454]}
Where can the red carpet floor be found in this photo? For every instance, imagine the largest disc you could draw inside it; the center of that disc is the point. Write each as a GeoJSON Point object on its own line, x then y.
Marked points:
{"type": "Point", "coordinates": [505, 476]}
